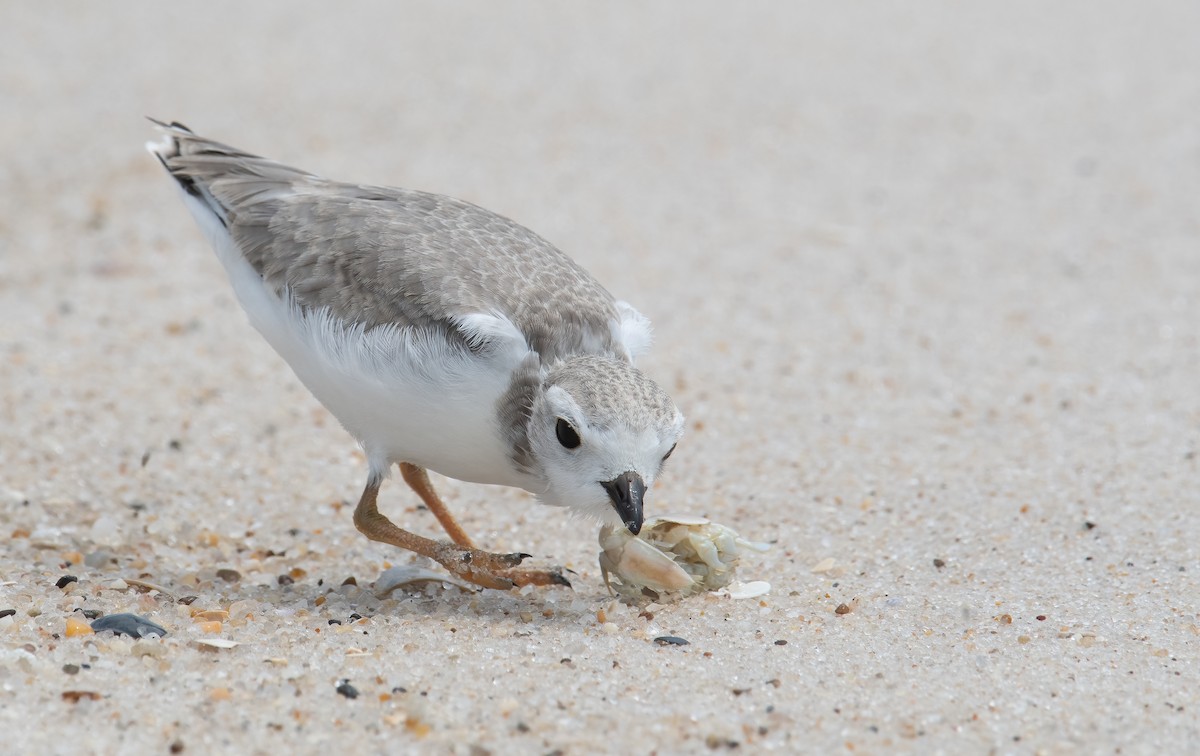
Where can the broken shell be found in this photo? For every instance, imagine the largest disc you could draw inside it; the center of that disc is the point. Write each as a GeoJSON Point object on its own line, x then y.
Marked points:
{"type": "Point", "coordinates": [675, 556]}
{"type": "Point", "coordinates": [403, 575]}
{"type": "Point", "coordinates": [217, 643]}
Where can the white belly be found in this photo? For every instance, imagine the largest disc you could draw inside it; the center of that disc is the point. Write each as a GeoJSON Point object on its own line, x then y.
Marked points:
{"type": "Point", "coordinates": [406, 395]}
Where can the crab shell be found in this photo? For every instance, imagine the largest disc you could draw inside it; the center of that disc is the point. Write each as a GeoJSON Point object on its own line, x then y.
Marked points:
{"type": "Point", "coordinates": [675, 556]}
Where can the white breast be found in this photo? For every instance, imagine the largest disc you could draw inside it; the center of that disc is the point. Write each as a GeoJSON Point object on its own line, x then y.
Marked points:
{"type": "Point", "coordinates": [406, 394]}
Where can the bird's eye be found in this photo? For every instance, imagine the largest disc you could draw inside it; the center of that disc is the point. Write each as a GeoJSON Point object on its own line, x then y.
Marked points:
{"type": "Point", "coordinates": [567, 436]}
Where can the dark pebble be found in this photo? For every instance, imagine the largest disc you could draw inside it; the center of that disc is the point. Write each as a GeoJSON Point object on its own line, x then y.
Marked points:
{"type": "Point", "coordinates": [842, 609]}
{"type": "Point", "coordinates": [670, 640]}
{"type": "Point", "coordinates": [335, 622]}
{"type": "Point", "coordinates": [228, 575]}
{"type": "Point", "coordinates": [285, 580]}
{"type": "Point", "coordinates": [188, 600]}
{"type": "Point", "coordinates": [7, 612]}
{"type": "Point", "coordinates": [939, 563]}
{"type": "Point", "coordinates": [346, 689]}
{"type": "Point", "coordinates": [128, 624]}
{"type": "Point", "coordinates": [91, 613]}
{"type": "Point", "coordinates": [1089, 524]}
{"type": "Point", "coordinates": [780, 643]}
{"type": "Point", "coordinates": [71, 669]}
{"type": "Point", "coordinates": [66, 580]}
{"type": "Point", "coordinates": [355, 617]}
{"type": "Point", "coordinates": [350, 581]}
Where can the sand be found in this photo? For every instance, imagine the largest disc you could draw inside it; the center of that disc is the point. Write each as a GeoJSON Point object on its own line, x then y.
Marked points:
{"type": "Point", "coordinates": [924, 280]}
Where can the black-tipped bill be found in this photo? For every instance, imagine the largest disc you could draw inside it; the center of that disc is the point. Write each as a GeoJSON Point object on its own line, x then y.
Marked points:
{"type": "Point", "coordinates": [626, 492]}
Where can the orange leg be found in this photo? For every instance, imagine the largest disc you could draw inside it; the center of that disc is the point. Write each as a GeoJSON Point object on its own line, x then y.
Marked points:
{"type": "Point", "coordinates": [463, 559]}
{"type": "Point", "coordinates": [418, 480]}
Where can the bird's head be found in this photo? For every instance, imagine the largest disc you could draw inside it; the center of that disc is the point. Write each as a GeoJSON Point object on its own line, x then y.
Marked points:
{"type": "Point", "coordinates": [600, 431]}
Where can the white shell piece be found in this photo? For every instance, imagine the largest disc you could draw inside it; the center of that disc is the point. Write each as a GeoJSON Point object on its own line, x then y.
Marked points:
{"type": "Point", "coordinates": [407, 574]}
{"type": "Point", "coordinates": [752, 589]}
{"type": "Point", "coordinates": [216, 642]}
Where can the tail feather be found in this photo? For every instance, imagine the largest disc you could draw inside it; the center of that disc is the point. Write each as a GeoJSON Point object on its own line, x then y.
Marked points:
{"type": "Point", "coordinates": [225, 179]}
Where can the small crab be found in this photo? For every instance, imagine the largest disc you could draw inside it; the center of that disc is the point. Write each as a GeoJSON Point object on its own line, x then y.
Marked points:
{"type": "Point", "coordinates": [675, 556]}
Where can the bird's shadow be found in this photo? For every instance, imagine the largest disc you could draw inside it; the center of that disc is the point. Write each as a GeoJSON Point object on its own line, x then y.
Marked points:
{"type": "Point", "coordinates": [343, 602]}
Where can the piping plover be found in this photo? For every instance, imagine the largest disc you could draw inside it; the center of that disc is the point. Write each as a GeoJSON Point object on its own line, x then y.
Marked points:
{"type": "Point", "coordinates": [443, 337]}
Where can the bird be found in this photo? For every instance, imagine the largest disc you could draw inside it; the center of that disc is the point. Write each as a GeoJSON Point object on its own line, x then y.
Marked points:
{"type": "Point", "coordinates": [443, 337]}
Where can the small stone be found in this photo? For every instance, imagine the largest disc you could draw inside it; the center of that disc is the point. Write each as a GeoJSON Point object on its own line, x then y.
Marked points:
{"type": "Point", "coordinates": [77, 627]}
{"type": "Point", "coordinates": [128, 624]}
{"type": "Point", "coordinates": [75, 696]}
{"type": "Point", "coordinates": [842, 609]}
{"type": "Point", "coordinates": [98, 559]}
{"type": "Point", "coordinates": [825, 565]}
{"type": "Point", "coordinates": [228, 575]}
{"type": "Point", "coordinates": [71, 669]}
{"type": "Point", "coordinates": [781, 643]}
{"type": "Point", "coordinates": [344, 688]}
{"type": "Point", "coordinates": [7, 613]}
{"type": "Point", "coordinates": [939, 563]}
{"type": "Point", "coordinates": [147, 647]}
{"type": "Point", "coordinates": [210, 615]}
{"type": "Point", "coordinates": [90, 614]}
{"type": "Point", "coordinates": [285, 580]}
{"type": "Point", "coordinates": [66, 580]}
{"type": "Point", "coordinates": [670, 640]}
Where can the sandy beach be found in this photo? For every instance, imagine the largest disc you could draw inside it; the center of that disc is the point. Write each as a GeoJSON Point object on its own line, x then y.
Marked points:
{"type": "Point", "coordinates": [925, 281]}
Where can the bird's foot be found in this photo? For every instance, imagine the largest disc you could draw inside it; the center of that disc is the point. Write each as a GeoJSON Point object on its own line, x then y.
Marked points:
{"type": "Point", "coordinates": [552, 576]}
{"type": "Point", "coordinates": [491, 570]}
